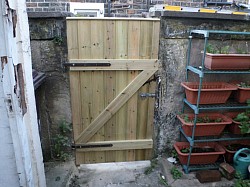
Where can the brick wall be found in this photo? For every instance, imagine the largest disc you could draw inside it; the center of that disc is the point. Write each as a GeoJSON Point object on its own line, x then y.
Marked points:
{"type": "Point", "coordinates": [47, 5]}
{"type": "Point", "coordinates": [119, 8]}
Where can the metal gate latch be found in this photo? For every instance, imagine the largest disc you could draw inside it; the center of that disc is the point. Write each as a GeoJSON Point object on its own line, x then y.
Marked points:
{"type": "Point", "coordinates": [145, 95]}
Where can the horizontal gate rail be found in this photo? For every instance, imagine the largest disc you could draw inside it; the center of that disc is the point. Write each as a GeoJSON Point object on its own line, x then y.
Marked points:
{"type": "Point", "coordinates": [110, 64]}
{"type": "Point", "coordinates": [115, 145]}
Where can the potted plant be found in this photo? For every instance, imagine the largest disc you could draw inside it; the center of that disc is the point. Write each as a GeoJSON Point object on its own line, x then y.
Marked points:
{"type": "Point", "coordinates": [207, 124]}
{"type": "Point", "coordinates": [244, 119]}
{"type": "Point", "coordinates": [234, 127]}
{"type": "Point", "coordinates": [231, 147]}
{"type": "Point", "coordinates": [202, 153]}
{"type": "Point", "coordinates": [240, 121]}
{"type": "Point", "coordinates": [243, 92]}
{"type": "Point", "coordinates": [211, 92]}
{"type": "Point", "coordinates": [218, 58]}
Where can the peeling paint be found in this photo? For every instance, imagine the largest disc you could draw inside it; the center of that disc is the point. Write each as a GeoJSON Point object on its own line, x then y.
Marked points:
{"type": "Point", "coordinates": [21, 87]}
{"type": "Point", "coordinates": [14, 20]}
{"type": "Point", "coordinates": [4, 60]}
{"type": "Point", "coordinates": [8, 101]}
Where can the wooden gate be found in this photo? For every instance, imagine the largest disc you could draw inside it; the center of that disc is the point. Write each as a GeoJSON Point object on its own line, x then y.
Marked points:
{"type": "Point", "coordinates": [112, 62]}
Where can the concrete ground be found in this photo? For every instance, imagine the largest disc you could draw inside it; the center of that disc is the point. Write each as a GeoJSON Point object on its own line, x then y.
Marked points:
{"type": "Point", "coordinates": [122, 174]}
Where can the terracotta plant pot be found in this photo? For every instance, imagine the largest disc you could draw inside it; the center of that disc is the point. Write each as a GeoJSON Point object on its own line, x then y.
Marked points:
{"type": "Point", "coordinates": [234, 126]}
{"type": "Point", "coordinates": [231, 147]}
{"type": "Point", "coordinates": [227, 61]}
{"type": "Point", "coordinates": [242, 94]}
{"type": "Point", "coordinates": [211, 92]}
{"type": "Point", "coordinates": [205, 128]}
{"type": "Point", "coordinates": [199, 158]}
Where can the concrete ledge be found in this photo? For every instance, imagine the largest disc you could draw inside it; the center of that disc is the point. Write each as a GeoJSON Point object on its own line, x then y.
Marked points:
{"type": "Point", "coordinates": [49, 14]}
{"type": "Point", "coordinates": [199, 15]}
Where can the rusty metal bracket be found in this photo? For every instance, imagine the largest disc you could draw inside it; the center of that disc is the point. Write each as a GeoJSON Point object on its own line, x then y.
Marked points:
{"type": "Point", "coordinates": [79, 146]}
{"type": "Point", "coordinates": [86, 64]}
{"type": "Point", "coordinates": [145, 95]}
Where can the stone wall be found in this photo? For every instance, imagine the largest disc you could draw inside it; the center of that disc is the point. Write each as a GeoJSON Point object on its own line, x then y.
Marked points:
{"type": "Point", "coordinates": [49, 53]}
{"type": "Point", "coordinates": [175, 27]}
{"type": "Point", "coordinates": [119, 8]}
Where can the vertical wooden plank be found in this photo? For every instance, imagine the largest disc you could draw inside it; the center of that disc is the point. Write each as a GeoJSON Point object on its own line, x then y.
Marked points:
{"type": "Point", "coordinates": [75, 98]}
{"type": "Point", "coordinates": [97, 34]}
{"type": "Point", "coordinates": [155, 39]}
{"type": "Point", "coordinates": [80, 158]}
{"type": "Point", "coordinates": [85, 100]}
{"type": "Point", "coordinates": [97, 77]}
{"type": "Point", "coordinates": [142, 121]}
{"type": "Point", "coordinates": [87, 106]}
{"type": "Point", "coordinates": [121, 82]}
{"type": "Point", "coordinates": [133, 53]}
{"type": "Point", "coordinates": [145, 53]}
{"type": "Point", "coordinates": [84, 39]}
{"type": "Point", "coordinates": [84, 46]}
{"type": "Point", "coordinates": [146, 40]}
{"type": "Point", "coordinates": [72, 39]}
{"type": "Point", "coordinates": [150, 117]}
{"type": "Point", "coordinates": [152, 87]}
{"type": "Point", "coordinates": [110, 83]}
{"type": "Point", "coordinates": [109, 43]}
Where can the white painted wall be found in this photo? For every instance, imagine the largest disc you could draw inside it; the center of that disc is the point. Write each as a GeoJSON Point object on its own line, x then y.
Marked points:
{"type": "Point", "coordinates": [23, 156]}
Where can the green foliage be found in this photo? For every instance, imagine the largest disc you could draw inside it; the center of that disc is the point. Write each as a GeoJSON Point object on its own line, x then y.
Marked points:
{"type": "Point", "coordinates": [152, 166]}
{"type": "Point", "coordinates": [163, 181]}
{"type": "Point", "coordinates": [185, 150]}
{"type": "Point", "coordinates": [217, 49]}
{"type": "Point", "coordinates": [224, 49]}
{"type": "Point", "coordinates": [58, 40]}
{"type": "Point", "coordinates": [240, 182]}
{"type": "Point", "coordinates": [244, 84]}
{"type": "Point", "coordinates": [244, 119]}
{"type": "Point", "coordinates": [174, 154]}
{"type": "Point", "coordinates": [62, 140]}
{"type": "Point", "coordinates": [204, 119]}
{"type": "Point", "coordinates": [241, 51]}
{"type": "Point", "coordinates": [176, 174]}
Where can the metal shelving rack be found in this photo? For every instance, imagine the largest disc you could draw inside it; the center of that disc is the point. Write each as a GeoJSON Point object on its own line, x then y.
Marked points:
{"type": "Point", "coordinates": [202, 71]}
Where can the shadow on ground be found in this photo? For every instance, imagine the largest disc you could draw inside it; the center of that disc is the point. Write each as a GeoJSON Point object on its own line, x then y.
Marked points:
{"type": "Point", "coordinates": [121, 174]}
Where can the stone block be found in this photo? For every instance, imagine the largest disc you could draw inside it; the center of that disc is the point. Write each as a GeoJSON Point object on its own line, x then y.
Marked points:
{"type": "Point", "coordinates": [31, 4]}
{"type": "Point", "coordinates": [43, 4]}
{"type": "Point", "coordinates": [208, 176]}
{"type": "Point", "coordinates": [227, 171]}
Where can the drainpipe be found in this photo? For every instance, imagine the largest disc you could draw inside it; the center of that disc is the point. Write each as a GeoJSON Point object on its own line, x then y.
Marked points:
{"type": "Point", "coordinates": [109, 7]}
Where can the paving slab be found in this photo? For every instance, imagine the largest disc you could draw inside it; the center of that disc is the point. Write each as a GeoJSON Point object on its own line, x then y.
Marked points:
{"type": "Point", "coordinates": [58, 174]}
{"type": "Point", "coordinates": [123, 174]}
{"type": "Point", "coordinates": [188, 180]}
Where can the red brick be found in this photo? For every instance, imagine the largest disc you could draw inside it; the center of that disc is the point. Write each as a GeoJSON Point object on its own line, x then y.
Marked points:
{"type": "Point", "coordinates": [208, 176]}
{"type": "Point", "coordinates": [227, 170]}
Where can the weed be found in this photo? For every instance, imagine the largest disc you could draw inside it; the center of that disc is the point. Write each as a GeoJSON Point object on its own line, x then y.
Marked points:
{"type": "Point", "coordinates": [58, 40]}
{"type": "Point", "coordinates": [74, 181]}
{"type": "Point", "coordinates": [174, 154]}
{"type": "Point", "coordinates": [62, 140]}
{"type": "Point", "coordinates": [204, 119]}
{"type": "Point", "coordinates": [240, 182]}
{"type": "Point", "coordinates": [152, 166]}
{"type": "Point", "coordinates": [244, 119]}
{"type": "Point", "coordinates": [176, 174]}
{"type": "Point", "coordinates": [163, 181]}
